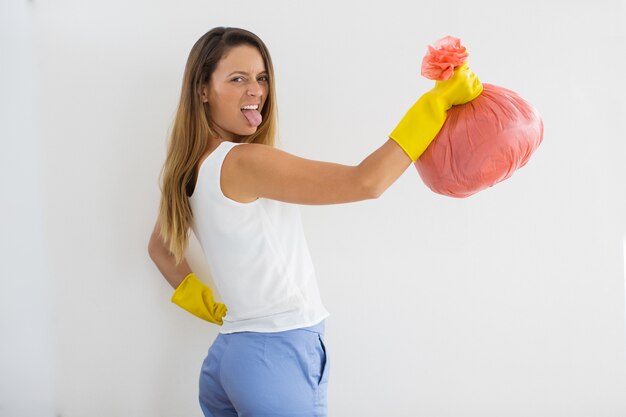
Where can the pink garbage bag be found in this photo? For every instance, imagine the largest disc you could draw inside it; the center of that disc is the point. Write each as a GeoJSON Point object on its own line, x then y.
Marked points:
{"type": "Point", "coordinates": [483, 141]}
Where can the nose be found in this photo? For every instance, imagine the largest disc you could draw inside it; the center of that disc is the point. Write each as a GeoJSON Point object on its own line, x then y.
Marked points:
{"type": "Point", "coordinates": [255, 89]}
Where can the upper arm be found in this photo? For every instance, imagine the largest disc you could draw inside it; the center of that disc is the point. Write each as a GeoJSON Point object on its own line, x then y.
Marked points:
{"type": "Point", "coordinates": [257, 170]}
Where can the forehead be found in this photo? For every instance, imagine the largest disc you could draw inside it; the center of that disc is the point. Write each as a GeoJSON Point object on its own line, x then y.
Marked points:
{"type": "Point", "coordinates": [242, 58]}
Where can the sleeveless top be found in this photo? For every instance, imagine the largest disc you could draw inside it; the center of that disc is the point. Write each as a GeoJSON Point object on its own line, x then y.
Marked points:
{"type": "Point", "coordinates": [257, 255]}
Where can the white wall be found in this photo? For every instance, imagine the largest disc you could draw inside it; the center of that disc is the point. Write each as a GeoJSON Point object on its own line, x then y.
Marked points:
{"type": "Point", "coordinates": [510, 302]}
{"type": "Point", "coordinates": [26, 357]}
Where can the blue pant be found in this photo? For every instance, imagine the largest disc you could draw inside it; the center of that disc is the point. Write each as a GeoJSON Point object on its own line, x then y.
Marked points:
{"type": "Point", "coordinates": [252, 374]}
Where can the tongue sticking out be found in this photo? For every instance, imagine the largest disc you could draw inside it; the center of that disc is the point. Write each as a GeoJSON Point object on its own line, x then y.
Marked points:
{"type": "Point", "coordinates": [253, 116]}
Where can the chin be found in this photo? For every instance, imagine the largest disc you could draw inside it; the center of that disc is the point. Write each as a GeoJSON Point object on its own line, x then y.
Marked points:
{"type": "Point", "coordinates": [241, 132]}
{"type": "Point", "coordinates": [250, 129]}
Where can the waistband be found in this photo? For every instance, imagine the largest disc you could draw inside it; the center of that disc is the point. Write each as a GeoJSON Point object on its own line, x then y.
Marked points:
{"type": "Point", "coordinates": [316, 328]}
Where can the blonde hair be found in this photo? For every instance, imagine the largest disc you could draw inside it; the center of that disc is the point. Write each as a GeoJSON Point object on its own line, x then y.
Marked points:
{"type": "Point", "coordinates": [193, 126]}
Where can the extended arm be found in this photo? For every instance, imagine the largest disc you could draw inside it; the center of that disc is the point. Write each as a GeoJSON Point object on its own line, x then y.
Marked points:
{"type": "Point", "coordinates": [257, 170]}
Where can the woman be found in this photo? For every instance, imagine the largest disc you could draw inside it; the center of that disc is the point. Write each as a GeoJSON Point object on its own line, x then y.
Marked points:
{"type": "Point", "coordinates": [224, 179]}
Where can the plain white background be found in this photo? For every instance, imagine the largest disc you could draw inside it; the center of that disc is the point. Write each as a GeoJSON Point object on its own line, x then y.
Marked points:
{"type": "Point", "coordinates": [508, 303]}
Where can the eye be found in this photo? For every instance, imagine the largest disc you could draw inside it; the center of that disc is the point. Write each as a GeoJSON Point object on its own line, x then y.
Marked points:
{"type": "Point", "coordinates": [265, 77]}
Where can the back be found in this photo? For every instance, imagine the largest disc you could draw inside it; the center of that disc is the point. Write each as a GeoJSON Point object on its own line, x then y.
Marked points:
{"type": "Point", "coordinates": [257, 254]}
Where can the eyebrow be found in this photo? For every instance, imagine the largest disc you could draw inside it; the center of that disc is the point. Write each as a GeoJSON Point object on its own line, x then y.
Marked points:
{"type": "Point", "coordinates": [245, 73]}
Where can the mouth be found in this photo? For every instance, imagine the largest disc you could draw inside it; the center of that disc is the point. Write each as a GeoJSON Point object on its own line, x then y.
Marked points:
{"type": "Point", "coordinates": [252, 114]}
{"type": "Point", "coordinates": [250, 107]}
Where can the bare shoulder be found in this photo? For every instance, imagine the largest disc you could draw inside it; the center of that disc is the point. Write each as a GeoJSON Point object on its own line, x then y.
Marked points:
{"type": "Point", "coordinates": [252, 153]}
{"type": "Point", "coordinates": [246, 165]}
{"type": "Point", "coordinates": [232, 178]}
{"type": "Point", "coordinates": [256, 158]}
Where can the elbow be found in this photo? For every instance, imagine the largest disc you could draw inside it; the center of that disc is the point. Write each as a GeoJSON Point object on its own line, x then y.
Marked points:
{"type": "Point", "coordinates": [152, 249]}
{"type": "Point", "coordinates": [367, 186]}
{"type": "Point", "coordinates": [371, 189]}
{"type": "Point", "coordinates": [375, 193]}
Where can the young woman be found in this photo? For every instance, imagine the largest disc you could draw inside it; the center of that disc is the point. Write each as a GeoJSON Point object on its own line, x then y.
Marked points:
{"type": "Point", "coordinates": [224, 179]}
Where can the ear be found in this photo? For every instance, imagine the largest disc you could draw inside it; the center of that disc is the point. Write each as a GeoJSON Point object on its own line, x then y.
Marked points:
{"type": "Point", "coordinates": [204, 93]}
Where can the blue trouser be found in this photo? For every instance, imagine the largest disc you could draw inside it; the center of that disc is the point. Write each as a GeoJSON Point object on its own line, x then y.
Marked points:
{"type": "Point", "coordinates": [252, 374]}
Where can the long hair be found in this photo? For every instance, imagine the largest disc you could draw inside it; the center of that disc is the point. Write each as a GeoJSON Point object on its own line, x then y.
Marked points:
{"type": "Point", "coordinates": [193, 125]}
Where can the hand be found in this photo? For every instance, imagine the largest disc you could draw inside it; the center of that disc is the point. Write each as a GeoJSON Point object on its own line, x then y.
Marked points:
{"type": "Point", "coordinates": [195, 297]}
{"type": "Point", "coordinates": [464, 86]}
{"type": "Point", "coordinates": [421, 124]}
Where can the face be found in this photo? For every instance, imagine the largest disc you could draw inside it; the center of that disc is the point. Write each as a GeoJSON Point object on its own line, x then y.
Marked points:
{"type": "Point", "coordinates": [239, 79]}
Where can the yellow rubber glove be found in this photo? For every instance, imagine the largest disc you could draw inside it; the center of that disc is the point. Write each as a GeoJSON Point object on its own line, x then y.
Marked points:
{"type": "Point", "coordinates": [424, 120]}
{"type": "Point", "coordinates": [195, 297]}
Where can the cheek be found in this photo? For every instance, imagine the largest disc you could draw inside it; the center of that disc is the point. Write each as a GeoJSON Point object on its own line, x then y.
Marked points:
{"type": "Point", "coordinates": [266, 92]}
{"type": "Point", "coordinates": [226, 97]}
{"type": "Point", "coordinates": [224, 109]}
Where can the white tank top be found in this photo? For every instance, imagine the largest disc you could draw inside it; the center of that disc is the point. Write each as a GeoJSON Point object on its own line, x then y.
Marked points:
{"type": "Point", "coordinates": [257, 255]}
